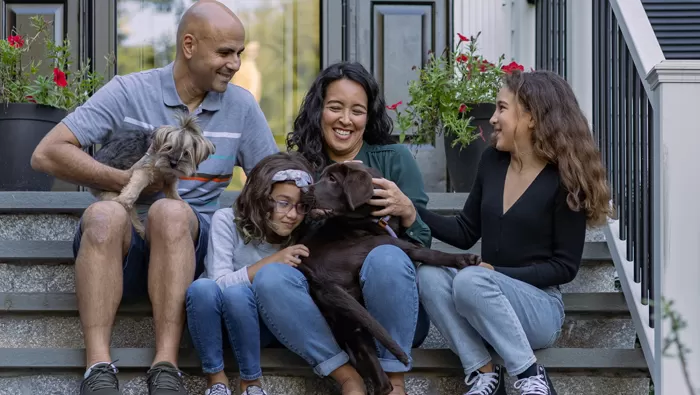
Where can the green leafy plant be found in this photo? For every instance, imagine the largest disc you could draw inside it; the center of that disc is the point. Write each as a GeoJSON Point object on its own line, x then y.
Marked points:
{"type": "Point", "coordinates": [673, 340]}
{"type": "Point", "coordinates": [23, 83]}
{"type": "Point", "coordinates": [446, 90]}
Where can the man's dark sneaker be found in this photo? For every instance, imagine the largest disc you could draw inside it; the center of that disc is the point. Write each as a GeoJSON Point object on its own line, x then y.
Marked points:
{"type": "Point", "coordinates": [165, 379]}
{"type": "Point", "coordinates": [102, 380]}
{"type": "Point", "coordinates": [540, 384]}
{"type": "Point", "coordinates": [487, 383]}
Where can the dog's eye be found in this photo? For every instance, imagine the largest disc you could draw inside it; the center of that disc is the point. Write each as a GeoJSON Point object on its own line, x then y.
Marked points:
{"type": "Point", "coordinates": [167, 147]}
{"type": "Point", "coordinates": [331, 179]}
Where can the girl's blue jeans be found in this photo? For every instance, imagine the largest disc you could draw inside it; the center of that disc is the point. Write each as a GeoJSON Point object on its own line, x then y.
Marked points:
{"type": "Point", "coordinates": [207, 307]}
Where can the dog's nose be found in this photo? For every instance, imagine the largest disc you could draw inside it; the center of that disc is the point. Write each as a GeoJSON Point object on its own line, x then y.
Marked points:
{"type": "Point", "coordinates": [173, 163]}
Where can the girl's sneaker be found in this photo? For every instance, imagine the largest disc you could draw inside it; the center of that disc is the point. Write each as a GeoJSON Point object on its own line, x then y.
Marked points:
{"type": "Point", "coordinates": [218, 389]}
{"type": "Point", "coordinates": [254, 390]}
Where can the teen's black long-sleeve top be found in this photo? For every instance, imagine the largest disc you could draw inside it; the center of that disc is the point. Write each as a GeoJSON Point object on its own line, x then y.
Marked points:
{"type": "Point", "coordinates": [539, 240]}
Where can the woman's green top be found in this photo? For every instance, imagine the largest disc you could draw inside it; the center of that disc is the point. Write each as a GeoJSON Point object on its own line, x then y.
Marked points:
{"type": "Point", "coordinates": [396, 164]}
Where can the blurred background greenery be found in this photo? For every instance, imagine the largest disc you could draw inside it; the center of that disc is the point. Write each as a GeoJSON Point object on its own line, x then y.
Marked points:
{"type": "Point", "coordinates": [288, 59]}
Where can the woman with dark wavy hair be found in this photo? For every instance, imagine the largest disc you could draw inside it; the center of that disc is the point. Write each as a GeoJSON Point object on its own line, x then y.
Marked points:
{"type": "Point", "coordinates": [343, 118]}
{"type": "Point", "coordinates": [536, 190]}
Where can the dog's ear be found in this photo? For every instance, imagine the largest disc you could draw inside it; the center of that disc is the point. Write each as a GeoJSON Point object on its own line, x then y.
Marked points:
{"type": "Point", "coordinates": [204, 149]}
{"type": "Point", "coordinates": [357, 186]}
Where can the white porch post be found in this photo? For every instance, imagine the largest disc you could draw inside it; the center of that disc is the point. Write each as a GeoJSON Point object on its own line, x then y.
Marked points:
{"type": "Point", "coordinates": [676, 84]}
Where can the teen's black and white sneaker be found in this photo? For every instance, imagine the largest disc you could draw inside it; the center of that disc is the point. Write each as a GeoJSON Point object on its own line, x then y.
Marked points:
{"type": "Point", "coordinates": [218, 389]}
{"type": "Point", "coordinates": [540, 384]}
{"type": "Point", "coordinates": [487, 383]}
{"type": "Point", "coordinates": [254, 390]}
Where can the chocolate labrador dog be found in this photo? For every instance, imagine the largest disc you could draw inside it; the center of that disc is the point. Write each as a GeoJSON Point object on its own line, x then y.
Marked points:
{"type": "Point", "coordinates": [345, 234]}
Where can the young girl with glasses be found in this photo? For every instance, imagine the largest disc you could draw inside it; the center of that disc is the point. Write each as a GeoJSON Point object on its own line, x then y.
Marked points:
{"type": "Point", "coordinates": [260, 229]}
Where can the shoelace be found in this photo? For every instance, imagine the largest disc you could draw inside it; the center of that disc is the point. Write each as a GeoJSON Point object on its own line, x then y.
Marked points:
{"type": "Point", "coordinates": [534, 385]}
{"type": "Point", "coordinates": [164, 377]}
{"type": "Point", "coordinates": [254, 390]}
{"type": "Point", "coordinates": [218, 389]}
{"type": "Point", "coordinates": [483, 383]}
{"type": "Point", "coordinates": [102, 377]}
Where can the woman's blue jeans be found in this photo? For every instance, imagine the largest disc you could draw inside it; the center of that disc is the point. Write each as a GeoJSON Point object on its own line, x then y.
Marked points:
{"type": "Point", "coordinates": [207, 307]}
{"type": "Point", "coordinates": [390, 291]}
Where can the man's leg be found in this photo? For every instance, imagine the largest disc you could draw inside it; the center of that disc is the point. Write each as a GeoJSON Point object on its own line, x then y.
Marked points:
{"type": "Point", "coordinates": [102, 242]}
{"type": "Point", "coordinates": [172, 231]}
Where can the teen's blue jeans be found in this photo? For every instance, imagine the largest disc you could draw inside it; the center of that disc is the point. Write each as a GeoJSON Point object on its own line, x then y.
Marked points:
{"type": "Point", "coordinates": [207, 307]}
{"type": "Point", "coordinates": [477, 305]}
{"type": "Point", "coordinates": [388, 280]}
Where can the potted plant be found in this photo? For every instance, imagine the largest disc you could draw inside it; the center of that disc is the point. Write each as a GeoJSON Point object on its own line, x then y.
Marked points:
{"type": "Point", "coordinates": [32, 103]}
{"type": "Point", "coordinates": [454, 95]}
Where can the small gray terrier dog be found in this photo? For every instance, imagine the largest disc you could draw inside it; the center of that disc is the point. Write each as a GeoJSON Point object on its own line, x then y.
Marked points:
{"type": "Point", "coordinates": [167, 153]}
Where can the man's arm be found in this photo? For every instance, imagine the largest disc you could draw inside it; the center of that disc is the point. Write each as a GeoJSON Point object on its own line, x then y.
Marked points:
{"type": "Point", "coordinates": [59, 153]}
{"type": "Point", "coordinates": [257, 140]}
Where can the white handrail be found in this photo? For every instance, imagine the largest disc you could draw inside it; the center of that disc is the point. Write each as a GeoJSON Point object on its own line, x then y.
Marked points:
{"type": "Point", "coordinates": [640, 38]}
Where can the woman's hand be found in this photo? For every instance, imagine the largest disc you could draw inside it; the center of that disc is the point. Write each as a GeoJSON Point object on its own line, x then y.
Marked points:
{"type": "Point", "coordinates": [290, 255]}
{"type": "Point", "coordinates": [394, 201]}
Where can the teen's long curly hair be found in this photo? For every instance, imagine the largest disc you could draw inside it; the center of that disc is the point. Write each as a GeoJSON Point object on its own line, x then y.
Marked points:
{"type": "Point", "coordinates": [307, 136]}
{"type": "Point", "coordinates": [562, 136]}
{"type": "Point", "coordinates": [253, 207]}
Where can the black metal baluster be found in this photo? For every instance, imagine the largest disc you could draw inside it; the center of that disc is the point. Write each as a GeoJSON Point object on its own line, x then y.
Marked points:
{"type": "Point", "coordinates": [630, 153]}
{"type": "Point", "coordinates": [650, 213]}
{"type": "Point", "coordinates": [607, 89]}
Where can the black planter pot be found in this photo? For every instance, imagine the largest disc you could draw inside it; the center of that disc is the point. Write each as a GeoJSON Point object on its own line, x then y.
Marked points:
{"type": "Point", "coordinates": [22, 126]}
{"type": "Point", "coordinates": [463, 161]}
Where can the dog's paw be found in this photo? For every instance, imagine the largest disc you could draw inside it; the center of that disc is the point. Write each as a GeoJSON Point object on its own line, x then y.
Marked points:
{"type": "Point", "coordinates": [140, 229]}
{"type": "Point", "coordinates": [465, 260]}
{"type": "Point", "coordinates": [126, 203]}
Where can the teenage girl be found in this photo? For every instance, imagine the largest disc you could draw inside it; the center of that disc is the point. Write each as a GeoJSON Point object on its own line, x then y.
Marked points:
{"type": "Point", "coordinates": [537, 189]}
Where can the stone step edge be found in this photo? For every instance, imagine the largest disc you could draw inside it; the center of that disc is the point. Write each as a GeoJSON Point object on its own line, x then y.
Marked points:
{"type": "Point", "coordinates": [20, 202]}
{"type": "Point", "coordinates": [53, 251]}
{"type": "Point", "coordinates": [606, 304]}
{"type": "Point", "coordinates": [443, 361]}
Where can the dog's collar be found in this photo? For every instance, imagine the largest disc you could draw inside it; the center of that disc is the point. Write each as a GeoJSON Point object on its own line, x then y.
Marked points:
{"type": "Point", "coordinates": [384, 223]}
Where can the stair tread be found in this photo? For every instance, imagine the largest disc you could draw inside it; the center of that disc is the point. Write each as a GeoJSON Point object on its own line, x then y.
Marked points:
{"type": "Point", "coordinates": [62, 251]}
{"type": "Point", "coordinates": [279, 359]}
{"type": "Point", "coordinates": [77, 202]}
{"type": "Point", "coordinates": [612, 303]}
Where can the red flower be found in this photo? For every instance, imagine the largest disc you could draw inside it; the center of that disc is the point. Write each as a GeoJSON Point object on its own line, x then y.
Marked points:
{"type": "Point", "coordinates": [16, 41]}
{"type": "Point", "coordinates": [59, 77]}
{"type": "Point", "coordinates": [462, 58]}
{"type": "Point", "coordinates": [462, 37]}
{"type": "Point", "coordinates": [31, 99]}
{"type": "Point", "coordinates": [462, 108]}
{"type": "Point", "coordinates": [394, 106]}
{"type": "Point", "coordinates": [512, 66]}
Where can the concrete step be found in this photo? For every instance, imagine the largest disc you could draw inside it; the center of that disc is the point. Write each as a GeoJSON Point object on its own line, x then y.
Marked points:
{"type": "Point", "coordinates": [49, 320]}
{"type": "Point", "coordinates": [76, 202]}
{"type": "Point", "coordinates": [425, 384]}
{"type": "Point", "coordinates": [593, 276]}
{"type": "Point", "coordinates": [574, 371]}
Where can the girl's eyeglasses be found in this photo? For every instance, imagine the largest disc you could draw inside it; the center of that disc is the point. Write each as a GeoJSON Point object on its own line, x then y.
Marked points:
{"type": "Point", "coordinates": [283, 207]}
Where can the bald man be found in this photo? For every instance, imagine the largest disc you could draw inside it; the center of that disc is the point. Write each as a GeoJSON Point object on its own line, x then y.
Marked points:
{"type": "Point", "coordinates": [111, 260]}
